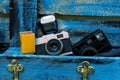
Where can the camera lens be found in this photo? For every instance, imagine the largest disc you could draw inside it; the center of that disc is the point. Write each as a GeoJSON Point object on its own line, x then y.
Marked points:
{"type": "Point", "coordinates": [88, 51]}
{"type": "Point", "coordinates": [54, 47]}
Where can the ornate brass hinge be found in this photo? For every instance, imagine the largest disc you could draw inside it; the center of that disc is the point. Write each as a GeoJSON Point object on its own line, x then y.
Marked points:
{"type": "Point", "coordinates": [15, 68]}
{"type": "Point", "coordinates": [85, 70]}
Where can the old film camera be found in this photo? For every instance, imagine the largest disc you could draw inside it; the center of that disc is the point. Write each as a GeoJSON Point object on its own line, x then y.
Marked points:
{"type": "Point", "coordinates": [52, 42]}
{"type": "Point", "coordinates": [94, 43]}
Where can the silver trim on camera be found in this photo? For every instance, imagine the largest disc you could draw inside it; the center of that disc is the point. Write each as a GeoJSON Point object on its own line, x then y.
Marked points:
{"type": "Point", "coordinates": [65, 54]}
{"type": "Point", "coordinates": [46, 38]}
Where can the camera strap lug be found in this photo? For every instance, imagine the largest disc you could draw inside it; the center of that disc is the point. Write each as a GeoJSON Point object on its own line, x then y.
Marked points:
{"type": "Point", "coordinates": [15, 68]}
{"type": "Point", "coordinates": [85, 70]}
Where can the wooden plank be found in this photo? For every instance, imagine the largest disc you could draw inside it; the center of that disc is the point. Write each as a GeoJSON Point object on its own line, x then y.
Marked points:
{"type": "Point", "coordinates": [4, 30]}
{"type": "Point", "coordinates": [58, 67]}
{"type": "Point", "coordinates": [24, 18]}
{"type": "Point", "coordinates": [80, 7]}
{"type": "Point", "coordinates": [79, 28]}
{"type": "Point", "coordinates": [90, 25]}
{"type": "Point", "coordinates": [80, 17]}
{"type": "Point", "coordinates": [83, 17]}
{"type": "Point", "coordinates": [4, 22]}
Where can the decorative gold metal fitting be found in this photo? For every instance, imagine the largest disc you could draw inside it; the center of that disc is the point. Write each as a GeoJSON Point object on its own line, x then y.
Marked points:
{"type": "Point", "coordinates": [15, 68]}
{"type": "Point", "coordinates": [85, 70]}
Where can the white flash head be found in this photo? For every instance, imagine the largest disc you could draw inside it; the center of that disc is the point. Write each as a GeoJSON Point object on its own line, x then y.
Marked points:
{"type": "Point", "coordinates": [47, 19]}
{"type": "Point", "coordinates": [49, 24]}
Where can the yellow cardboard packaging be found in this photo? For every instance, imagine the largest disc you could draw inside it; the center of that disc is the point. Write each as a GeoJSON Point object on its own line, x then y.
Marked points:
{"type": "Point", "coordinates": [27, 40]}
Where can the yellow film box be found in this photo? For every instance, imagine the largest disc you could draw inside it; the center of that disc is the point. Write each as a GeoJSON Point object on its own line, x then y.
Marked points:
{"type": "Point", "coordinates": [27, 40]}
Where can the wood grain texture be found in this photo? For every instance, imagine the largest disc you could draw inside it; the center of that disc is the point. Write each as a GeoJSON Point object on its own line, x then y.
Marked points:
{"type": "Point", "coordinates": [24, 18]}
{"type": "Point", "coordinates": [75, 17]}
{"type": "Point", "coordinates": [4, 21]}
{"type": "Point", "coordinates": [37, 67]}
{"type": "Point", "coordinates": [79, 28]}
{"type": "Point", "coordinates": [4, 30]}
{"type": "Point", "coordinates": [26, 15]}
{"type": "Point", "coordinates": [58, 67]}
{"type": "Point", "coordinates": [81, 7]}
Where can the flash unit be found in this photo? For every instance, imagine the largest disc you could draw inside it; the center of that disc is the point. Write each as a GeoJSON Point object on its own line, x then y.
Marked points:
{"type": "Point", "coordinates": [47, 19]}
{"type": "Point", "coordinates": [48, 24]}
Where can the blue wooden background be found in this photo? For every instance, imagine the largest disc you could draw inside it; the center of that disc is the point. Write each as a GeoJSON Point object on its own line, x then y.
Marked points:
{"type": "Point", "coordinates": [25, 17]}
{"type": "Point", "coordinates": [4, 21]}
{"type": "Point", "coordinates": [79, 28]}
{"type": "Point", "coordinates": [58, 67]}
{"type": "Point", "coordinates": [81, 7]}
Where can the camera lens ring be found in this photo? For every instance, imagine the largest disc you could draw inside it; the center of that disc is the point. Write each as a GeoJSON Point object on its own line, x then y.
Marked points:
{"type": "Point", "coordinates": [85, 49]}
{"type": "Point", "coordinates": [58, 45]}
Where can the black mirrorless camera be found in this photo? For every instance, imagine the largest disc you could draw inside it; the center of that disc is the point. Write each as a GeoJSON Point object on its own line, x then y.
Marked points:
{"type": "Point", "coordinates": [92, 44]}
{"type": "Point", "coordinates": [52, 42]}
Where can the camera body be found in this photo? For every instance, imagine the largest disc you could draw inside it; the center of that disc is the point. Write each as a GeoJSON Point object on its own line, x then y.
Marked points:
{"type": "Point", "coordinates": [54, 44]}
{"type": "Point", "coordinates": [92, 44]}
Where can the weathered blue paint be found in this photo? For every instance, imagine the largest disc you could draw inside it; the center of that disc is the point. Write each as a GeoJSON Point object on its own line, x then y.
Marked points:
{"type": "Point", "coordinates": [26, 15]}
{"type": "Point", "coordinates": [4, 30]}
{"type": "Point", "coordinates": [4, 22]}
{"type": "Point", "coordinates": [81, 7]}
{"type": "Point", "coordinates": [4, 6]}
{"type": "Point", "coordinates": [17, 24]}
{"type": "Point", "coordinates": [79, 28]}
{"type": "Point", "coordinates": [58, 67]}
{"type": "Point", "coordinates": [30, 14]}
{"type": "Point", "coordinates": [25, 18]}
{"type": "Point", "coordinates": [76, 28]}
{"type": "Point", "coordinates": [39, 67]}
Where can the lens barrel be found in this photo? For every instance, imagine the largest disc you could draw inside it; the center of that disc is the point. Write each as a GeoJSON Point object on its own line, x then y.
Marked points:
{"type": "Point", "coordinates": [54, 47]}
